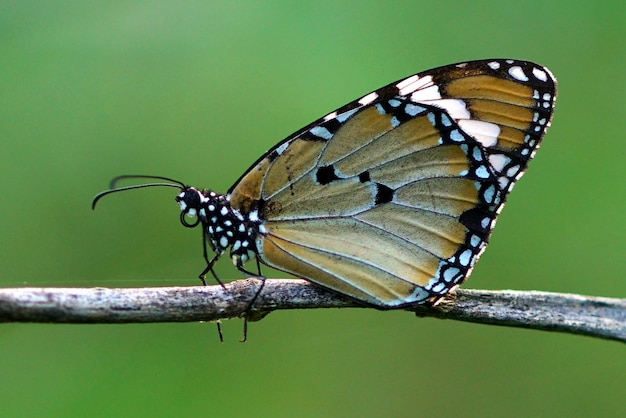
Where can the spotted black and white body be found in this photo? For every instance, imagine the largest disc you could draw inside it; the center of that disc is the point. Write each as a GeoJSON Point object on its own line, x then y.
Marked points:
{"type": "Point", "coordinates": [391, 199]}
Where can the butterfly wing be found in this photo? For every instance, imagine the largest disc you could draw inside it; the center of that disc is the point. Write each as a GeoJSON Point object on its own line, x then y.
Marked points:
{"type": "Point", "coordinates": [391, 199]}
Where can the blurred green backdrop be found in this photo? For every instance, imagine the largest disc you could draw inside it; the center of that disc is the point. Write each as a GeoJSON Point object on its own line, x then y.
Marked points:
{"type": "Point", "coordinates": [198, 90]}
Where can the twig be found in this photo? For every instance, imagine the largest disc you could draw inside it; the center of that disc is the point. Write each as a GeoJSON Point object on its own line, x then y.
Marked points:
{"type": "Point", "coordinates": [574, 314]}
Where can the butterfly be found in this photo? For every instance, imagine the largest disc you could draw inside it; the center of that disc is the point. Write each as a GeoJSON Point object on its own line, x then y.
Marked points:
{"type": "Point", "coordinates": [391, 199]}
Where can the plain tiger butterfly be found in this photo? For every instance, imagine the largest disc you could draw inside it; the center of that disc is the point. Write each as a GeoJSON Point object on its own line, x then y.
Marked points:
{"type": "Point", "coordinates": [390, 199]}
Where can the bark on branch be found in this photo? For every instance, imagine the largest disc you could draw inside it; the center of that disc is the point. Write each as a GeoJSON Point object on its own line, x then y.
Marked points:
{"type": "Point", "coordinates": [574, 314]}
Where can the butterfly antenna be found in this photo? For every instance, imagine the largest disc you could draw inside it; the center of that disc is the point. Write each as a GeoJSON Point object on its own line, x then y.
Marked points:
{"type": "Point", "coordinates": [114, 189]}
{"type": "Point", "coordinates": [115, 180]}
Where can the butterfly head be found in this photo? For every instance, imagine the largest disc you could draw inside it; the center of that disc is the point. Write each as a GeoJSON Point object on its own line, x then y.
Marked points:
{"type": "Point", "coordinates": [191, 202]}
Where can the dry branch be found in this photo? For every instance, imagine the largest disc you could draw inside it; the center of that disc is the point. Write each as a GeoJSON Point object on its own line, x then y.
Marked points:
{"type": "Point", "coordinates": [575, 314]}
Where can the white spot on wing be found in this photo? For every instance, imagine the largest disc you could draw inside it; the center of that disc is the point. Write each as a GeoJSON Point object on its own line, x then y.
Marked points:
{"type": "Point", "coordinates": [482, 172]}
{"type": "Point", "coordinates": [513, 171]}
{"type": "Point", "coordinates": [368, 99]}
{"type": "Point", "coordinates": [484, 132]}
{"type": "Point", "coordinates": [426, 94]}
{"type": "Point", "coordinates": [321, 132]}
{"type": "Point", "coordinates": [330, 116]}
{"type": "Point", "coordinates": [438, 288]}
{"type": "Point", "coordinates": [456, 108]}
{"type": "Point", "coordinates": [407, 81]}
{"type": "Point", "coordinates": [517, 73]}
{"type": "Point", "coordinates": [540, 74]}
{"type": "Point", "coordinates": [414, 83]}
{"type": "Point", "coordinates": [456, 136]}
{"type": "Point", "coordinates": [412, 109]}
{"type": "Point", "coordinates": [489, 194]}
{"type": "Point", "coordinates": [450, 274]}
{"type": "Point", "coordinates": [494, 65]}
{"type": "Point", "coordinates": [498, 161]}
{"type": "Point", "coordinates": [282, 148]}
{"type": "Point", "coordinates": [346, 115]}
{"type": "Point", "coordinates": [476, 154]}
{"type": "Point", "coordinates": [465, 258]}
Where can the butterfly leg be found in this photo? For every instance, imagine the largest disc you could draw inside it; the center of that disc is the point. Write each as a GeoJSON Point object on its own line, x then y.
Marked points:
{"type": "Point", "coordinates": [209, 267]}
{"type": "Point", "coordinates": [209, 263]}
{"type": "Point", "coordinates": [254, 298]}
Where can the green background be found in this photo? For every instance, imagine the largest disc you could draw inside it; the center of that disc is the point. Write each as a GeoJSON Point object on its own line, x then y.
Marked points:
{"type": "Point", "coordinates": [198, 90]}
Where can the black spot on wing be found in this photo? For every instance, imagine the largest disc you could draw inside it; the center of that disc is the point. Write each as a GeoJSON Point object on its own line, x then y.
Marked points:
{"type": "Point", "coordinates": [479, 220]}
{"type": "Point", "coordinates": [272, 155]}
{"type": "Point", "coordinates": [326, 175]}
{"type": "Point", "coordinates": [364, 177]}
{"type": "Point", "coordinates": [384, 194]}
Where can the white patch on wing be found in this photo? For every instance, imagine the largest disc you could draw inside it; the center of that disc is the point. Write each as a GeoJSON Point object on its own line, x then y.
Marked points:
{"type": "Point", "coordinates": [415, 83]}
{"type": "Point", "coordinates": [282, 148]}
{"type": "Point", "coordinates": [484, 132]}
{"type": "Point", "coordinates": [412, 109]}
{"type": "Point", "coordinates": [456, 108]}
{"type": "Point", "coordinates": [365, 100]}
{"type": "Point", "coordinates": [499, 161]}
{"type": "Point", "coordinates": [346, 115]}
{"type": "Point", "coordinates": [517, 73]}
{"type": "Point", "coordinates": [321, 132]}
{"type": "Point", "coordinates": [407, 81]}
{"type": "Point", "coordinates": [540, 74]}
{"type": "Point", "coordinates": [426, 94]}
{"type": "Point", "coordinates": [330, 116]}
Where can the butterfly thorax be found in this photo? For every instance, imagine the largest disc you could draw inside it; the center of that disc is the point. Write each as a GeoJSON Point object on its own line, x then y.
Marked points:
{"type": "Point", "coordinates": [224, 226]}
